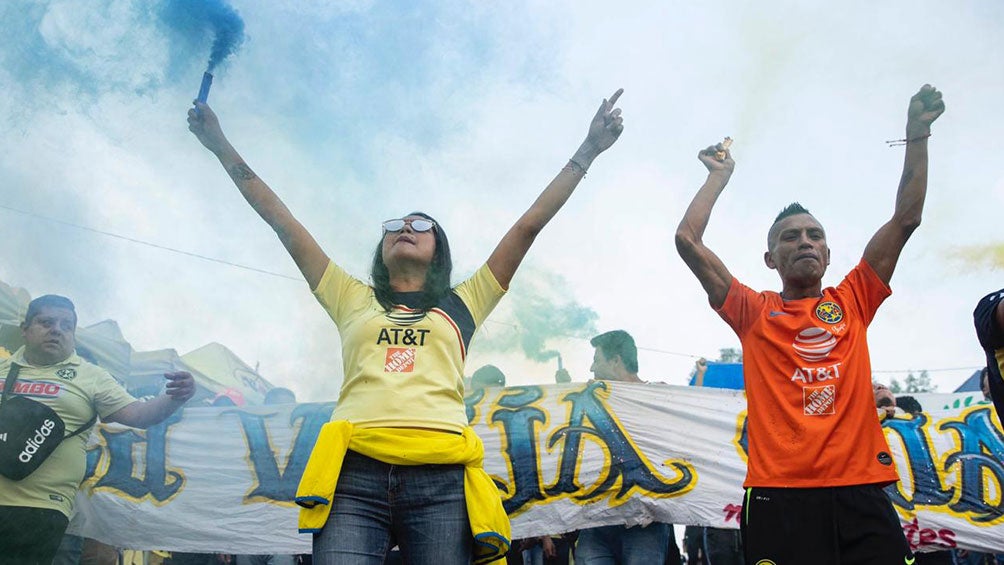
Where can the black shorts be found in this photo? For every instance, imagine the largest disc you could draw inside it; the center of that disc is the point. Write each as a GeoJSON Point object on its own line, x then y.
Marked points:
{"type": "Point", "coordinates": [822, 526]}
{"type": "Point", "coordinates": [30, 535]}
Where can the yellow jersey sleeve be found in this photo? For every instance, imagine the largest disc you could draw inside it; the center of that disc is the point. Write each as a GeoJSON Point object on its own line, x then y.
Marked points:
{"type": "Point", "coordinates": [341, 294]}
{"type": "Point", "coordinates": [108, 395]}
{"type": "Point", "coordinates": [481, 293]}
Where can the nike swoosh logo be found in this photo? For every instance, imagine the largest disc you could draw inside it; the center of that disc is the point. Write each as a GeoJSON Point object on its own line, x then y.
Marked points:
{"type": "Point", "coordinates": [909, 561]}
{"type": "Point", "coordinates": [775, 313]}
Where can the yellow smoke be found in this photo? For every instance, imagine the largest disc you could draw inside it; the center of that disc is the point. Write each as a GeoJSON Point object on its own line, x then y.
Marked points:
{"type": "Point", "coordinates": [980, 256]}
{"type": "Point", "coordinates": [769, 48]}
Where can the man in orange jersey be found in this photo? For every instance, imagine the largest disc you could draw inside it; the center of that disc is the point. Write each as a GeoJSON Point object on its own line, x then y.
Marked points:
{"type": "Point", "coordinates": [817, 457]}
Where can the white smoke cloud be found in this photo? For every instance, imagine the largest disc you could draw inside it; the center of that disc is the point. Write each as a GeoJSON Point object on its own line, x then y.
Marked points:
{"type": "Point", "coordinates": [357, 113]}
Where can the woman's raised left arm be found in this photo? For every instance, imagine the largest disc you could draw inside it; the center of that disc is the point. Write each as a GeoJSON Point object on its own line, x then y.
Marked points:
{"type": "Point", "coordinates": [604, 129]}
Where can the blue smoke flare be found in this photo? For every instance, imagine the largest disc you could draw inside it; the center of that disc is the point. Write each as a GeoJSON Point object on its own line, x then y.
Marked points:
{"type": "Point", "coordinates": [195, 19]}
{"type": "Point", "coordinates": [207, 81]}
{"type": "Point", "coordinates": [229, 29]}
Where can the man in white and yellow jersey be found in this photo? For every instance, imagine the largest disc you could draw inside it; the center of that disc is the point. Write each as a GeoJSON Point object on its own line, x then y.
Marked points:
{"type": "Point", "coordinates": [35, 510]}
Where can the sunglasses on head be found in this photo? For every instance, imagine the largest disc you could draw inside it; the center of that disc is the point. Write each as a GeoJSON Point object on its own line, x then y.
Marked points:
{"type": "Point", "coordinates": [417, 224]}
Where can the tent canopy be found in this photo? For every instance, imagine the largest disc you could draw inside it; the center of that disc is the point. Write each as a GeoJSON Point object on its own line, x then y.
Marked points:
{"type": "Point", "coordinates": [216, 369]}
{"type": "Point", "coordinates": [722, 375]}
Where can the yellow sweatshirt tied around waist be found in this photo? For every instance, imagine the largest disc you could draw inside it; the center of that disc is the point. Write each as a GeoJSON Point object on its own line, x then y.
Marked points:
{"type": "Point", "coordinates": [405, 446]}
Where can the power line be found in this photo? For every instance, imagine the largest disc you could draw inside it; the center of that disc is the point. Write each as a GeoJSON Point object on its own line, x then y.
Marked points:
{"type": "Point", "coordinates": [149, 244]}
{"type": "Point", "coordinates": [940, 370]}
{"type": "Point", "coordinates": [678, 354]}
{"type": "Point", "coordinates": [517, 329]}
{"type": "Point", "coordinates": [298, 279]}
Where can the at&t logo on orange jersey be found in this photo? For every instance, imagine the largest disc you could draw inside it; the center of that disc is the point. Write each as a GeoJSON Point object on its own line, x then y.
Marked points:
{"type": "Point", "coordinates": [814, 344]}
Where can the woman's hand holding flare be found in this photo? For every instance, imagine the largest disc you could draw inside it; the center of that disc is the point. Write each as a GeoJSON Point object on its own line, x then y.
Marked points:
{"type": "Point", "coordinates": [202, 121]}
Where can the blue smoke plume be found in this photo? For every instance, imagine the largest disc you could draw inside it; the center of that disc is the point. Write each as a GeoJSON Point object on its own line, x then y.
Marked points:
{"type": "Point", "coordinates": [47, 63]}
{"type": "Point", "coordinates": [194, 20]}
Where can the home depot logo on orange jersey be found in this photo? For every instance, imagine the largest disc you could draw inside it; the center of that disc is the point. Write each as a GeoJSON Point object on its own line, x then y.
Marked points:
{"type": "Point", "coordinates": [819, 400]}
{"type": "Point", "coordinates": [399, 360]}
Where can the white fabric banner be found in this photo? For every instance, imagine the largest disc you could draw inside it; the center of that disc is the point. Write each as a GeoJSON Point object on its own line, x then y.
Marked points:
{"type": "Point", "coordinates": [566, 457]}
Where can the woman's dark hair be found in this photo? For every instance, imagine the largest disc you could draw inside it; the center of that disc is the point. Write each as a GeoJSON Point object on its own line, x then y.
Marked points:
{"type": "Point", "coordinates": [437, 279]}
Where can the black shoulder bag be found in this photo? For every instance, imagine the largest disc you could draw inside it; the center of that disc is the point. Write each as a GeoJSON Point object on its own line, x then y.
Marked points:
{"type": "Point", "coordinates": [29, 431]}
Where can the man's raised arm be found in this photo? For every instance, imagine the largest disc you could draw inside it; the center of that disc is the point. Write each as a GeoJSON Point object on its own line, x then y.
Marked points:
{"type": "Point", "coordinates": [714, 276]}
{"type": "Point", "coordinates": [882, 252]}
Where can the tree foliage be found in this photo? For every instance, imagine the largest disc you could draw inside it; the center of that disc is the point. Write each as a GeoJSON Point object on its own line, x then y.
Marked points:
{"type": "Point", "coordinates": [920, 382]}
{"type": "Point", "coordinates": [730, 355]}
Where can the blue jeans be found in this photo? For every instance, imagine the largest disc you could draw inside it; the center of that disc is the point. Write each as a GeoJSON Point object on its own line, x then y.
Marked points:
{"type": "Point", "coordinates": [376, 506]}
{"type": "Point", "coordinates": [533, 556]}
{"type": "Point", "coordinates": [610, 545]}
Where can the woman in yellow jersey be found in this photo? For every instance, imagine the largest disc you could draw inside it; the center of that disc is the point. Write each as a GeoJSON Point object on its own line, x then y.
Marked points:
{"type": "Point", "coordinates": [398, 464]}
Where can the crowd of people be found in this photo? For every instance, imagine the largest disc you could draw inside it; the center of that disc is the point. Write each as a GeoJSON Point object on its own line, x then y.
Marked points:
{"type": "Point", "coordinates": [397, 473]}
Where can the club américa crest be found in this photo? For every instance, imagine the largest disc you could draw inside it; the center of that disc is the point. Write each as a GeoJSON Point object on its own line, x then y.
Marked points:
{"type": "Point", "coordinates": [829, 312]}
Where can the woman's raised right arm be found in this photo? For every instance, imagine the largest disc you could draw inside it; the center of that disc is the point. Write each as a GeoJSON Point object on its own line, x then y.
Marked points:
{"type": "Point", "coordinates": [308, 255]}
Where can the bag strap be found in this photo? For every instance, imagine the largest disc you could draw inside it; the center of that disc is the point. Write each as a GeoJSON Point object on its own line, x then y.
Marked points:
{"type": "Point", "coordinates": [8, 386]}
{"type": "Point", "coordinates": [86, 426]}
{"type": "Point", "coordinates": [9, 381]}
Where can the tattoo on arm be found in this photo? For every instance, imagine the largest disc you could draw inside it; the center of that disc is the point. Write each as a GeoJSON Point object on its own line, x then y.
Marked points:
{"type": "Point", "coordinates": [241, 171]}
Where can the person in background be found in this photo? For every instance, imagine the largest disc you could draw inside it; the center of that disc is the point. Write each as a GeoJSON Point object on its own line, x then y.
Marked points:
{"type": "Point", "coordinates": [274, 396]}
{"type": "Point", "coordinates": [988, 317]}
{"type": "Point", "coordinates": [909, 404]}
{"type": "Point", "coordinates": [615, 358]}
{"type": "Point", "coordinates": [487, 376]}
{"type": "Point", "coordinates": [704, 544]}
{"type": "Point", "coordinates": [885, 400]}
{"type": "Point", "coordinates": [35, 510]}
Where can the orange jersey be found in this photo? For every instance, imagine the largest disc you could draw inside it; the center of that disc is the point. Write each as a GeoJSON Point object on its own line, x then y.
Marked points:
{"type": "Point", "coordinates": [811, 409]}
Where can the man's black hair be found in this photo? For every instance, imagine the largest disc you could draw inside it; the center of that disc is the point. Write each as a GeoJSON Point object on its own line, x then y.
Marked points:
{"type": "Point", "coordinates": [618, 343]}
{"type": "Point", "coordinates": [792, 209]}
{"type": "Point", "coordinates": [48, 301]}
{"type": "Point", "coordinates": [909, 404]}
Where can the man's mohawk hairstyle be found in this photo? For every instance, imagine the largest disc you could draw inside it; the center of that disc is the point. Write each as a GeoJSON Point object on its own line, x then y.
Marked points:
{"type": "Point", "coordinates": [791, 210]}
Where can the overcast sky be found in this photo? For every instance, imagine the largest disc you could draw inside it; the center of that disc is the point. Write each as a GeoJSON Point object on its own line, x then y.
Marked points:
{"type": "Point", "coordinates": [355, 112]}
